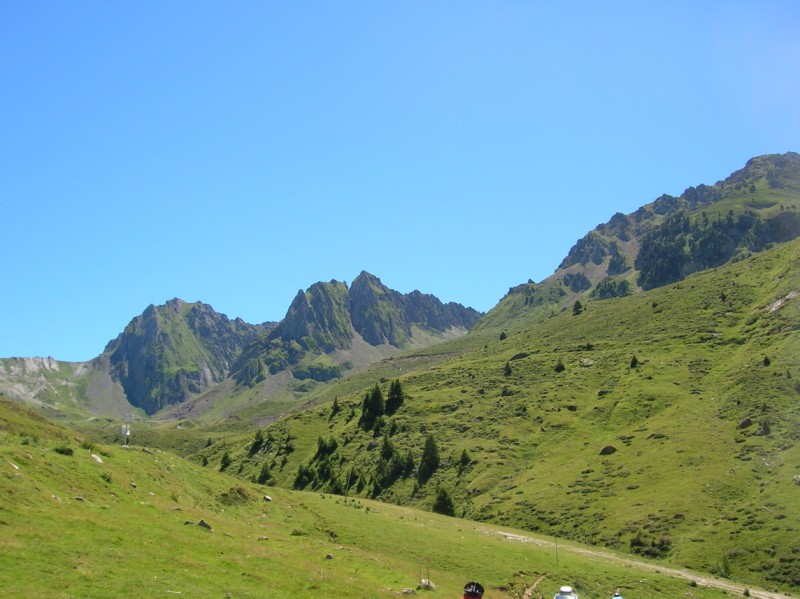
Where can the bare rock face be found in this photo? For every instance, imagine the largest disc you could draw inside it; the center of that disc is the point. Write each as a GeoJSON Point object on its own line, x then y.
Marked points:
{"type": "Point", "coordinates": [382, 315]}
{"type": "Point", "coordinates": [322, 313]}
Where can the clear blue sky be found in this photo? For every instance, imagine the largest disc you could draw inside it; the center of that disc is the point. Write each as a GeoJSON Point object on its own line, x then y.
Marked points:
{"type": "Point", "coordinates": [235, 152]}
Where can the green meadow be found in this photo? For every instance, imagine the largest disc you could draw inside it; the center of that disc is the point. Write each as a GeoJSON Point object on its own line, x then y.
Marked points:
{"type": "Point", "coordinates": [86, 520]}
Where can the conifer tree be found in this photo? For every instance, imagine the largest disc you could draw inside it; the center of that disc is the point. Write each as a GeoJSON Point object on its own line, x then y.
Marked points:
{"type": "Point", "coordinates": [408, 464]}
{"type": "Point", "coordinates": [444, 503]}
{"type": "Point", "coordinates": [387, 448]}
{"type": "Point", "coordinates": [225, 461]}
{"type": "Point", "coordinates": [376, 404]}
{"type": "Point", "coordinates": [430, 460]}
{"type": "Point", "coordinates": [464, 461]}
{"type": "Point", "coordinates": [265, 475]}
{"type": "Point", "coordinates": [258, 441]}
{"type": "Point", "coordinates": [372, 408]}
{"type": "Point", "coordinates": [395, 398]}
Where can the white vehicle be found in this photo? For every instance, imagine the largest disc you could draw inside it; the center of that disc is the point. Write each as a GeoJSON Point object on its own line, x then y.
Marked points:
{"type": "Point", "coordinates": [566, 592]}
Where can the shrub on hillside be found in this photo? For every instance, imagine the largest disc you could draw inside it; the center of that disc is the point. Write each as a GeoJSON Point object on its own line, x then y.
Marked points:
{"type": "Point", "coordinates": [648, 547]}
{"type": "Point", "coordinates": [235, 496]}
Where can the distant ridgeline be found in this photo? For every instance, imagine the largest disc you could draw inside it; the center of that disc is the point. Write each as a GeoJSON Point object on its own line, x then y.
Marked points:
{"type": "Point", "coordinates": [705, 227]}
{"type": "Point", "coordinates": [175, 352]}
{"type": "Point", "coordinates": [179, 351]}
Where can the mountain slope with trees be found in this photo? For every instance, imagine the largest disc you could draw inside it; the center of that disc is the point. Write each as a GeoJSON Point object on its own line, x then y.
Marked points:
{"type": "Point", "coordinates": [663, 424]}
{"type": "Point", "coordinates": [668, 239]}
{"type": "Point", "coordinates": [644, 398]}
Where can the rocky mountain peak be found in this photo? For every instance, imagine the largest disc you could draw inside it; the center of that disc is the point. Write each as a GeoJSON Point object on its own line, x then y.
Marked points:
{"type": "Point", "coordinates": [174, 351]}
{"type": "Point", "coordinates": [321, 313]}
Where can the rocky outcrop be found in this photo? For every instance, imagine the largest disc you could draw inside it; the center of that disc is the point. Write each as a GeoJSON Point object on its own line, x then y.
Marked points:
{"type": "Point", "coordinates": [321, 314]}
{"type": "Point", "coordinates": [381, 315]}
{"type": "Point", "coordinates": [327, 317]}
{"type": "Point", "coordinates": [39, 380]}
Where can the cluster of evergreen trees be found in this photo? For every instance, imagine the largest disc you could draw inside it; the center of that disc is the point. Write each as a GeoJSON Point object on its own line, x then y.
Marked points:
{"type": "Point", "coordinates": [329, 470]}
{"type": "Point", "coordinates": [608, 288]}
{"type": "Point", "coordinates": [678, 246]}
{"type": "Point", "coordinates": [374, 406]}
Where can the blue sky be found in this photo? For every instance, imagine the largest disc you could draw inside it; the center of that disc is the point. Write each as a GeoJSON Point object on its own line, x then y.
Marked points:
{"type": "Point", "coordinates": [235, 152]}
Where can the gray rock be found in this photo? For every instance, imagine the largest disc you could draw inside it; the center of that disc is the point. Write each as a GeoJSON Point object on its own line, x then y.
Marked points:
{"type": "Point", "coordinates": [205, 525]}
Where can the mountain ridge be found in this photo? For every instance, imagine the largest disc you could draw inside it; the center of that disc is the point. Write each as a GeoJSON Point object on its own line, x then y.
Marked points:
{"type": "Point", "coordinates": [177, 351]}
{"type": "Point", "coordinates": [668, 239]}
{"type": "Point", "coordinates": [329, 317]}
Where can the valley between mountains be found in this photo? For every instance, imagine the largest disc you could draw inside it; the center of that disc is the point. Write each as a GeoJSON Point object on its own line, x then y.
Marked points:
{"type": "Point", "coordinates": [642, 400]}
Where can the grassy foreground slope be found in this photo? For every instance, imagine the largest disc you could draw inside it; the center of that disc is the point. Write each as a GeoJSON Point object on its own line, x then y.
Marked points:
{"type": "Point", "coordinates": [687, 453]}
{"type": "Point", "coordinates": [84, 520]}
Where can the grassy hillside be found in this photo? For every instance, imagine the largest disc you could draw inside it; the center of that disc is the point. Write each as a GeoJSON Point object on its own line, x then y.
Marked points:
{"type": "Point", "coordinates": [662, 424]}
{"type": "Point", "coordinates": [84, 520]}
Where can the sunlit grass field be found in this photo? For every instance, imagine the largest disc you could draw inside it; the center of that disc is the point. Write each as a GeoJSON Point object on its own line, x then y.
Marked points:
{"type": "Point", "coordinates": [86, 520]}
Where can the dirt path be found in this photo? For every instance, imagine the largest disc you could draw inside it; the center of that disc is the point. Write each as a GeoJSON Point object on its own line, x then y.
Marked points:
{"type": "Point", "coordinates": [700, 579]}
{"type": "Point", "coordinates": [532, 588]}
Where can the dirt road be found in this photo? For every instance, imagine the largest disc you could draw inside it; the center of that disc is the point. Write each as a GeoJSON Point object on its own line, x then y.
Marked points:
{"type": "Point", "coordinates": [700, 579]}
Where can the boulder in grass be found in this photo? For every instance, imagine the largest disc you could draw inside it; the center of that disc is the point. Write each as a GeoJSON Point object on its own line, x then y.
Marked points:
{"type": "Point", "coordinates": [205, 525]}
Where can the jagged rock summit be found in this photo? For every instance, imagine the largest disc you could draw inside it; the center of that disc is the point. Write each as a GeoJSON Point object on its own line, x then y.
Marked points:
{"type": "Point", "coordinates": [331, 319]}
